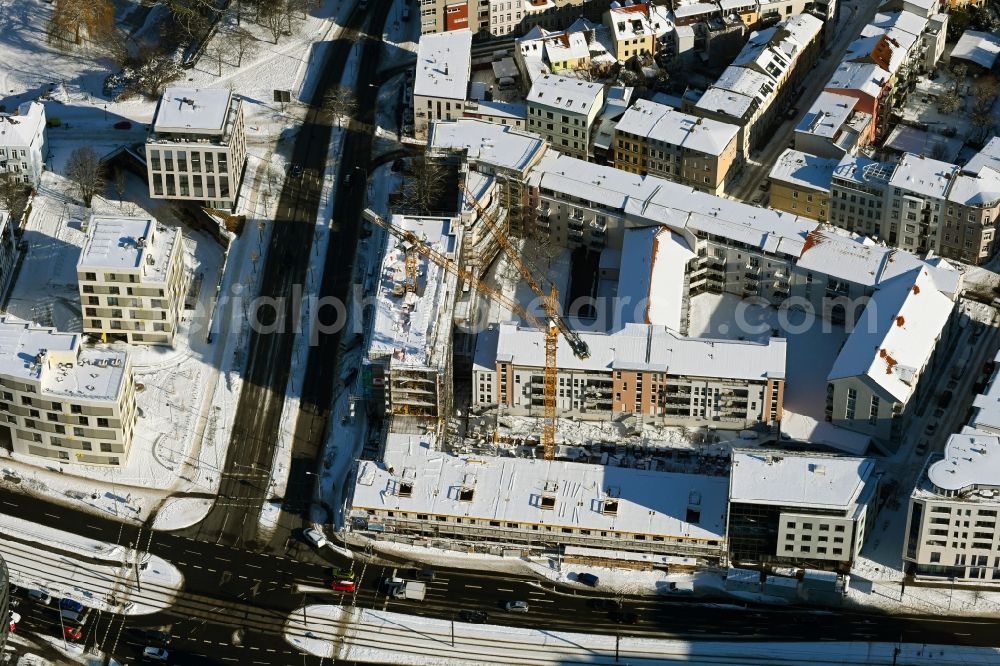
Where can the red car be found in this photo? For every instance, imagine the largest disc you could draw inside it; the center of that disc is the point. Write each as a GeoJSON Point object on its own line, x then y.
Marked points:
{"type": "Point", "coordinates": [344, 586]}
{"type": "Point", "coordinates": [72, 633]}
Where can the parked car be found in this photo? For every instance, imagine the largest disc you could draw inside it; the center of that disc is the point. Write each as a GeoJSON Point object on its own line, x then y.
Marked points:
{"type": "Point", "coordinates": [406, 13]}
{"type": "Point", "coordinates": [474, 617]}
{"type": "Point", "coordinates": [424, 574]}
{"type": "Point", "coordinates": [931, 427]}
{"type": "Point", "coordinates": [516, 606]}
{"type": "Point", "coordinates": [587, 579]}
{"type": "Point", "coordinates": [41, 596]}
{"type": "Point", "coordinates": [344, 586]}
{"type": "Point", "coordinates": [13, 618]}
{"type": "Point", "coordinates": [123, 125]}
{"type": "Point", "coordinates": [72, 633]}
{"type": "Point", "coordinates": [922, 448]}
{"type": "Point", "coordinates": [938, 413]}
{"type": "Point", "coordinates": [624, 617]}
{"type": "Point", "coordinates": [945, 399]}
{"type": "Point", "coordinates": [314, 537]}
{"type": "Point", "coordinates": [605, 604]}
{"type": "Point", "coordinates": [155, 653]}
{"type": "Point", "coordinates": [71, 605]}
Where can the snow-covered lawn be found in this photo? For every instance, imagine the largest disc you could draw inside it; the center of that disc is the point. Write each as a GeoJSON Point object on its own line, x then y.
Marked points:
{"type": "Point", "coordinates": [334, 632]}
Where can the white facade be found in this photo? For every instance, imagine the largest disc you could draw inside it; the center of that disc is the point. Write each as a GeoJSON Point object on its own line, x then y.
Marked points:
{"type": "Point", "coordinates": [196, 149]}
{"type": "Point", "coordinates": [563, 110]}
{"type": "Point", "coordinates": [132, 280]}
{"type": "Point", "coordinates": [23, 144]}
{"type": "Point", "coordinates": [62, 400]}
{"type": "Point", "coordinates": [440, 86]}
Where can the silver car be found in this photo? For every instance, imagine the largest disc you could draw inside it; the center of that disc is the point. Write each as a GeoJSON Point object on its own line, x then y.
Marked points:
{"type": "Point", "coordinates": [517, 606]}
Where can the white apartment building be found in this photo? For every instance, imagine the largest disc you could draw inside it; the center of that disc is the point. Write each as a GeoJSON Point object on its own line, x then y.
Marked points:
{"type": "Point", "coordinates": [440, 86]}
{"type": "Point", "coordinates": [61, 400]}
{"type": "Point", "coordinates": [197, 149]}
{"type": "Point", "coordinates": [23, 144]}
{"type": "Point", "coordinates": [951, 529]}
{"type": "Point", "coordinates": [641, 369]}
{"type": "Point", "coordinates": [875, 382]}
{"type": "Point", "coordinates": [416, 489]}
{"type": "Point", "coordinates": [132, 280]}
{"type": "Point", "coordinates": [788, 508]}
{"type": "Point", "coordinates": [563, 110]}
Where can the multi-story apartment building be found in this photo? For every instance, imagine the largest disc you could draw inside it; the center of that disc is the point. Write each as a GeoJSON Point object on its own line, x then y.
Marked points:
{"type": "Point", "coordinates": [636, 28]}
{"type": "Point", "coordinates": [951, 529]}
{"type": "Point", "coordinates": [440, 86]}
{"type": "Point", "coordinates": [62, 400]}
{"type": "Point", "coordinates": [793, 509]}
{"type": "Point", "coordinates": [132, 280]}
{"type": "Point", "coordinates": [563, 110]}
{"type": "Point", "coordinates": [8, 253]}
{"type": "Point", "coordinates": [874, 383]}
{"type": "Point", "coordinates": [800, 184]}
{"type": "Point", "coordinates": [859, 198]}
{"type": "Point", "coordinates": [968, 228]}
{"type": "Point", "coordinates": [642, 369]}
{"type": "Point", "coordinates": [833, 127]}
{"type": "Point", "coordinates": [652, 138]}
{"type": "Point", "coordinates": [197, 149]}
{"type": "Point", "coordinates": [752, 91]}
{"type": "Point", "coordinates": [22, 143]}
{"type": "Point", "coordinates": [502, 17]}
{"type": "Point", "coordinates": [416, 489]}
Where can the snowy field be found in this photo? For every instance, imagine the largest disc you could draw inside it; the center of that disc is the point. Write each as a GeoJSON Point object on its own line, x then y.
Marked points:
{"type": "Point", "coordinates": [363, 635]}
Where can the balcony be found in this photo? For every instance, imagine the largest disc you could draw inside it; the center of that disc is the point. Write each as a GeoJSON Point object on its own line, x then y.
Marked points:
{"type": "Point", "coordinates": [543, 211]}
{"type": "Point", "coordinates": [575, 224]}
{"type": "Point", "coordinates": [574, 234]}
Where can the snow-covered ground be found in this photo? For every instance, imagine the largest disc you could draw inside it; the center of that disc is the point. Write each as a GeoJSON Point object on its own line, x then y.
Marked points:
{"type": "Point", "coordinates": [98, 574]}
{"type": "Point", "coordinates": [333, 632]}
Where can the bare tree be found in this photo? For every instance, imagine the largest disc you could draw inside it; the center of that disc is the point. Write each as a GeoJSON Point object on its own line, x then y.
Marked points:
{"type": "Point", "coordinates": [273, 19]}
{"type": "Point", "coordinates": [116, 46]}
{"type": "Point", "coordinates": [424, 183]}
{"type": "Point", "coordinates": [340, 102]}
{"type": "Point", "coordinates": [219, 49]}
{"type": "Point", "coordinates": [959, 73]}
{"type": "Point", "coordinates": [292, 9]}
{"type": "Point", "coordinates": [120, 182]}
{"type": "Point", "coordinates": [243, 42]}
{"type": "Point", "coordinates": [86, 170]}
{"type": "Point", "coordinates": [13, 195]}
{"type": "Point", "coordinates": [985, 93]}
{"type": "Point", "coordinates": [159, 70]}
{"type": "Point", "coordinates": [95, 18]}
{"type": "Point", "coordinates": [949, 102]}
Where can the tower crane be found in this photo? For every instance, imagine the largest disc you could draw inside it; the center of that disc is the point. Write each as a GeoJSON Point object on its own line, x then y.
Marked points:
{"type": "Point", "coordinates": [552, 328]}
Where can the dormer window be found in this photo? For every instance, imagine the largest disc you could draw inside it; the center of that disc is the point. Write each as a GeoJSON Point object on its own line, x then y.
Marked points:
{"type": "Point", "coordinates": [610, 507]}
{"type": "Point", "coordinates": [405, 489]}
{"type": "Point", "coordinates": [465, 494]}
{"type": "Point", "coordinates": [548, 502]}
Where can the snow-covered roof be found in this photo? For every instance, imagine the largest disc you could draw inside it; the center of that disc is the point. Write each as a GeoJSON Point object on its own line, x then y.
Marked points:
{"type": "Point", "coordinates": [649, 348]}
{"type": "Point", "coordinates": [986, 415]}
{"type": "Point", "coordinates": [907, 139]}
{"type": "Point", "coordinates": [129, 244]}
{"type": "Point", "coordinates": [803, 170]}
{"type": "Point", "coordinates": [895, 335]}
{"type": "Point", "coordinates": [971, 462]}
{"type": "Point", "coordinates": [980, 189]}
{"type": "Point", "coordinates": [574, 95]}
{"type": "Point", "coordinates": [827, 115]}
{"type": "Point", "coordinates": [782, 478]}
{"type": "Point", "coordinates": [591, 182]}
{"type": "Point", "coordinates": [512, 490]}
{"type": "Point", "coordinates": [444, 64]}
{"type": "Point", "coordinates": [906, 21]}
{"type": "Point", "coordinates": [695, 9]}
{"type": "Point", "coordinates": [864, 171]}
{"type": "Point", "coordinates": [193, 110]}
{"type": "Point", "coordinates": [667, 125]}
{"type": "Point", "coordinates": [727, 102]}
{"type": "Point", "coordinates": [867, 263]}
{"type": "Point", "coordinates": [19, 130]}
{"type": "Point", "coordinates": [500, 146]}
{"type": "Point", "coordinates": [747, 82]}
{"type": "Point", "coordinates": [566, 46]}
{"type": "Point", "coordinates": [497, 109]}
{"type": "Point", "coordinates": [59, 362]}
{"type": "Point", "coordinates": [988, 156]}
{"type": "Point", "coordinates": [407, 324]}
{"type": "Point", "coordinates": [864, 77]}
{"type": "Point", "coordinates": [926, 176]}
{"type": "Point", "coordinates": [651, 277]}
{"type": "Point", "coordinates": [981, 48]}
{"type": "Point", "coordinates": [629, 22]}
{"type": "Point", "coordinates": [887, 47]}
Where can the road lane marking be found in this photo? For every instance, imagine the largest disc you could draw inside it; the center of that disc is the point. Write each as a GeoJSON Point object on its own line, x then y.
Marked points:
{"type": "Point", "coordinates": [50, 515]}
{"type": "Point", "coordinates": [503, 589]}
{"type": "Point", "coordinates": [474, 587]}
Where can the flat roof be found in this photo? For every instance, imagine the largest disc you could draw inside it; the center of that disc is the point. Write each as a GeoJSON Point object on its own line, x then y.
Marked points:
{"type": "Point", "coordinates": [512, 490]}
{"type": "Point", "coordinates": [907, 21]}
{"type": "Point", "coordinates": [558, 92]}
{"type": "Point", "coordinates": [971, 461]}
{"type": "Point", "coordinates": [923, 175]}
{"type": "Point", "coordinates": [981, 48]}
{"type": "Point", "coordinates": [668, 125]}
{"type": "Point", "coordinates": [650, 348]}
{"type": "Point", "coordinates": [406, 324]}
{"type": "Point", "coordinates": [59, 362]}
{"type": "Point", "coordinates": [864, 77]}
{"type": "Point", "coordinates": [797, 480]}
{"type": "Point", "coordinates": [906, 139]}
{"type": "Point", "coordinates": [129, 243]}
{"type": "Point", "coordinates": [827, 115]}
{"type": "Point", "coordinates": [986, 415]}
{"type": "Point", "coordinates": [193, 109]}
{"type": "Point", "coordinates": [804, 170]}
{"type": "Point", "coordinates": [988, 156]}
{"type": "Point", "coordinates": [21, 128]}
{"type": "Point", "coordinates": [895, 335]}
{"type": "Point", "coordinates": [500, 146]}
{"type": "Point", "coordinates": [444, 63]}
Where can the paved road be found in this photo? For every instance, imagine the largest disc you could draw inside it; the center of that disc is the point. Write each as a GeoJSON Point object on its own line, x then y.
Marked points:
{"type": "Point", "coordinates": [853, 17]}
